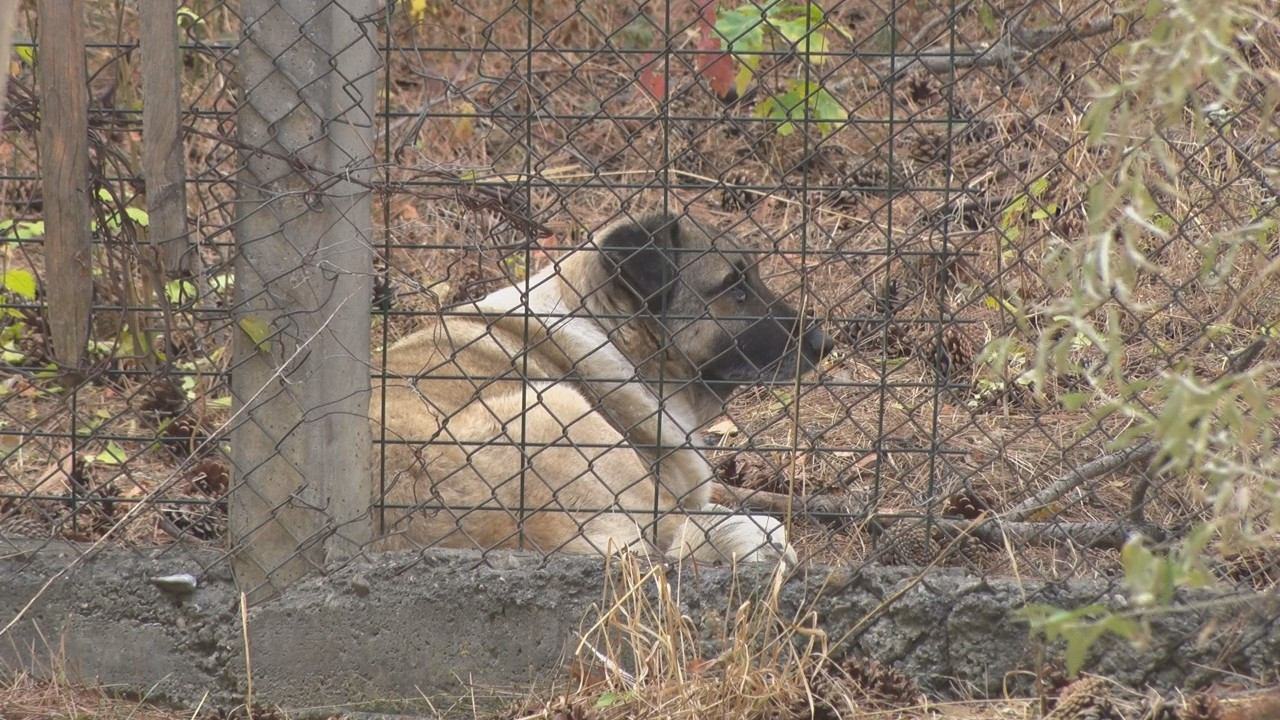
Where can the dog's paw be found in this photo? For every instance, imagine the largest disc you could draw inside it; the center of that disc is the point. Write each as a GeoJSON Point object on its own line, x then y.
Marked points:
{"type": "Point", "coordinates": [720, 535]}
{"type": "Point", "coordinates": [760, 539]}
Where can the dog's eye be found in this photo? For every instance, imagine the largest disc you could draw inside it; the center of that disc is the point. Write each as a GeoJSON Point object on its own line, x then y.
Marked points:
{"type": "Point", "coordinates": [739, 292]}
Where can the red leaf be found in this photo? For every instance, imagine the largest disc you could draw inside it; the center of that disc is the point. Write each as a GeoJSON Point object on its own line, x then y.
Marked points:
{"type": "Point", "coordinates": [652, 78]}
{"type": "Point", "coordinates": [707, 13]}
{"type": "Point", "coordinates": [718, 69]}
{"type": "Point", "coordinates": [720, 72]}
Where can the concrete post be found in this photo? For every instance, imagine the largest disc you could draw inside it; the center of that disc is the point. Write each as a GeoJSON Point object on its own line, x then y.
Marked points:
{"type": "Point", "coordinates": [300, 381]}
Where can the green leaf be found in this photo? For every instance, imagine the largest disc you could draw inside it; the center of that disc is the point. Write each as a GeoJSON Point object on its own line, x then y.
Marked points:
{"type": "Point", "coordinates": [124, 344]}
{"type": "Point", "coordinates": [773, 109]}
{"type": "Point", "coordinates": [1050, 210]}
{"type": "Point", "coordinates": [258, 332]}
{"type": "Point", "coordinates": [136, 215]}
{"type": "Point", "coordinates": [828, 111]}
{"type": "Point", "coordinates": [219, 402]}
{"type": "Point", "coordinates": [188, 17]}
{"type": "Point", "coordinates": [19, 282]}
{"type": "Point", "coordinates": [607, 699]}
{"type": "Point", "coordinates": [515, 266]}
{"type": "Point", "coordinates": [1074, 401]}
{"type": "Point", "coordinates": [180, 292]}
{"type": "Point", "coordinates": [987, 18]}
{"type": "Point", "coordinates": [805, 36]}
{"type": "Point", "coordinates": [21, 230]}
{"type": "Point", "coordinates": [743, 78]}
{"type": "Point", "coordinates": [27, 53]}
{"type": "Point", "coordinates": [742, 29]}
{"type": "Point", "coordinates": [222, 283]}
{"type": "Point", "coordinates": [1012, 211]}
{"type": "Point", "coordinates": [112, 455]}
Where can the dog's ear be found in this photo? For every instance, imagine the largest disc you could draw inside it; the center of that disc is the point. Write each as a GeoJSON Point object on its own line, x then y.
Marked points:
{"type": "Point", "coordinates": [642, 255]}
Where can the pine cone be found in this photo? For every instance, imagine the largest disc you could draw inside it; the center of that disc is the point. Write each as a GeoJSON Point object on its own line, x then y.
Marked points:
{"type": "Point", "coordinates": [197, 518]}
{"type": "Point", "coordinates": [881, 686]}
{"type": "Point", "coordinates": [920, 87]}
{"type": "Point", "coordinates": [23, 526]}
{"type": "Point", "coordinates": [926, 145]}
{"type": "Point", "coordinates": [182, 434]}
{"type": "Point", "coordinates": [210, 476]}
{"type": "Point", "coordinates": [735, 198]}
{"type": "Point", "coordinates": [890, 298]}
{"type": "Point", "coordinates": [967, 503]}
{"type": "Point", "coordinates": [1161, 710]}
{"type": "Point", "coordinates": [1260, 567]}
{"type": "Point", "coordinates": [161, 399]}
{"type": "Point", "coordinates": [952, 354]}
{"type": "Point", "coordinates": [893, 338]}
{"type": "Point", "coordinates": [746, 471]}
{"type": "Point", "coordinates": [1052, 681]}
{"type": "Point", "coordinates": [831, 697]}
{"type": "Point", "coordinates": [853, 185]}
{"type": "Point", "coordinates": [906, 543]}
{"type": "Point", "coordinates": [1202, 706]}
{"type": "Point", "coordinates": [1086, 699]}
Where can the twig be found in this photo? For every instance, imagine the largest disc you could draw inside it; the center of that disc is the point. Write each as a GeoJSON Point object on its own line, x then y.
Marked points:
{"type": "Point", "coordinates": [248, 663]}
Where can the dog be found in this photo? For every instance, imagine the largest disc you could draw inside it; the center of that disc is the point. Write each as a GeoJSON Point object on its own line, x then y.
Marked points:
{"type": "Point", "coordinates": [561, 414]}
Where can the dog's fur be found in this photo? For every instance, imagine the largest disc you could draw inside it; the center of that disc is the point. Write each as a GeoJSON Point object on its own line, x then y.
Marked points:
{"type": "Point", "coordinates": [561, 414]}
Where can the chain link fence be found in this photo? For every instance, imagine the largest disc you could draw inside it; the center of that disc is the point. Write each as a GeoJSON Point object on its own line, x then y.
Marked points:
{"type": "Point", "coordinates": [775, 278]}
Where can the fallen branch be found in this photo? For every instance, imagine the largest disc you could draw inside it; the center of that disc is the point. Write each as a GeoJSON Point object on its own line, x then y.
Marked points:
{"type": "Point", "coordinates": [1143, 452]}
{"type": "Point", "coordinates": [992, 531]}
{"type": "Point", "coordinates": [1013, 46]}
{"type": "Point", "coordinates": [1100, 535]}
{"type": "Point", "coordinates": [1139, 454]}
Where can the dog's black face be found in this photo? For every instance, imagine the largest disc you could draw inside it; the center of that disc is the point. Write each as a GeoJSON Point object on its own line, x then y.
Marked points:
{"type": "Point", "coordinates": [704, 292]}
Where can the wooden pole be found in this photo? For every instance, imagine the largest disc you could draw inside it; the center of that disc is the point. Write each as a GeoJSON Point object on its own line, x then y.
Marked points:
{"type": "Point", "coordinates": [64, 172]}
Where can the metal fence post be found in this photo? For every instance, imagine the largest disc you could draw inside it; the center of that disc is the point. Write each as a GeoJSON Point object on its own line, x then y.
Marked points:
{"type": "Point", "coordinates": [300, 382]}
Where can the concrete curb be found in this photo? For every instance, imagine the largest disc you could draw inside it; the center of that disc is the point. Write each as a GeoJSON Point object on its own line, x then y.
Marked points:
{"type": "Point", "coordinates": [378, 635]}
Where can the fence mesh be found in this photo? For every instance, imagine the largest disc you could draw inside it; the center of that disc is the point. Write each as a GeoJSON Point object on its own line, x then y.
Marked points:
{"type": "Point", "coordinates": [894, 175]}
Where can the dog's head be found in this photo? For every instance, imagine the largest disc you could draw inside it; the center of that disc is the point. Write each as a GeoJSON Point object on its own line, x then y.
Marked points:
{"type": "Point", "coordinates": [702, 291]}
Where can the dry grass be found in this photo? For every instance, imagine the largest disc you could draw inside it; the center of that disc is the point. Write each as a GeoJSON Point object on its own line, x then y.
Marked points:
{"type": "Point", "coordinates": [906, 411]}
{"type": "Point", "coordinates": [53, 695]}
{"type": "Point", "coordinates": [642, 656]}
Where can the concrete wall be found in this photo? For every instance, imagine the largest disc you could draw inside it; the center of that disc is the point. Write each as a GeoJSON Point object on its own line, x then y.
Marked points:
{"type": "Point", "coordinates": [406, 625]}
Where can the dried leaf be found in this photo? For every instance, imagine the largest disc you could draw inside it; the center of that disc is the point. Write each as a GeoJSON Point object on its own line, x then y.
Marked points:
{"type": "Point", "coordinates": [718, 68]}
{"type": "Point", "coordinates": [464, 125]}
{"type": "Point", "coordinates": [652, 78]}
{"type": "Point", "coordinates": [726, 428]}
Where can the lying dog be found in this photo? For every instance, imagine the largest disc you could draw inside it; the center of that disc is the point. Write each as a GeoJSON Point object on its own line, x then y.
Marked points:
{"type": "Point", "coordinates": [561, 415]}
